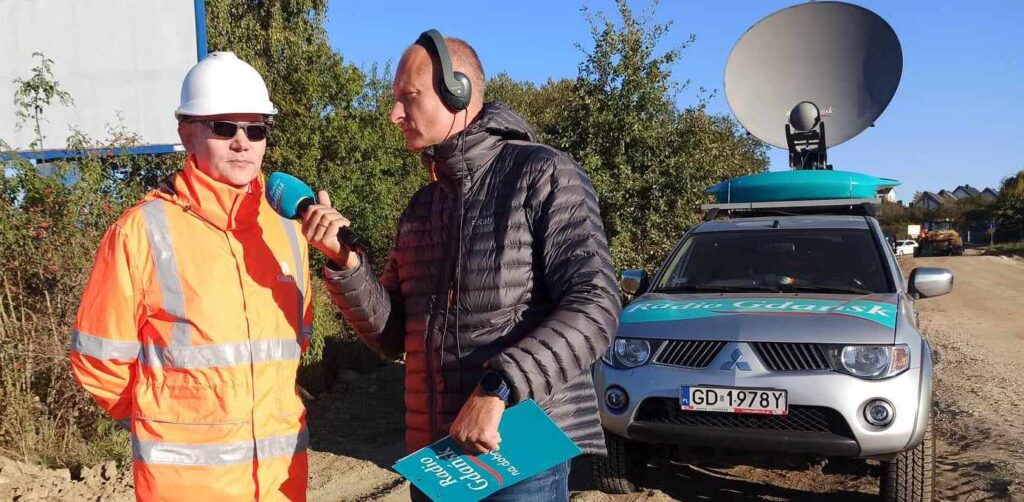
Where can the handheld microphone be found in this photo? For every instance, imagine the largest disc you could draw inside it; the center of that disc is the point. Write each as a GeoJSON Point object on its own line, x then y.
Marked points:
{"type": "Point", "coordinates": [291, 197]}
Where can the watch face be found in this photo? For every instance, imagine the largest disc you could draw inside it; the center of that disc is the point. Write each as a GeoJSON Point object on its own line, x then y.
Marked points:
{"type": "Point", "coordinates": [490, 382]}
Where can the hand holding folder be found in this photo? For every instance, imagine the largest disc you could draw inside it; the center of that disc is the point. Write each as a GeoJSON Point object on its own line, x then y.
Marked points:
{"type": "Point", "coordinates": [531, 443]}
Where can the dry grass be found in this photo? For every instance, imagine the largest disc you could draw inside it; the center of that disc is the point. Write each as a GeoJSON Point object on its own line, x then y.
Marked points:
{"type": "Point", "coordinates": [45, 417]}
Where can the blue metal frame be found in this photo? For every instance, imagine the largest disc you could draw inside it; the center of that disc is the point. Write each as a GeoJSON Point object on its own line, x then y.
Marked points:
{"type": "Point", "coordinates": [200, 9]}
{"type": "Point", "coordinates": [51, 155]}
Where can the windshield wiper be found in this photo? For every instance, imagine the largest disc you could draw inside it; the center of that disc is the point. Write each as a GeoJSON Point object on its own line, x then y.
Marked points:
{"type": "Point", "coordinates": [826, 289]}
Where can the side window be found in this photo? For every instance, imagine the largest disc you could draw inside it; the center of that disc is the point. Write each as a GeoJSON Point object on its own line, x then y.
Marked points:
{"type": "Point", "coordinates": [677, 269]}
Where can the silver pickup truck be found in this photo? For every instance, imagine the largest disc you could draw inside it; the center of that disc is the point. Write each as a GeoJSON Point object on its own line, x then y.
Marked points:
{"type": "Point", "coordinates": [765, 338]}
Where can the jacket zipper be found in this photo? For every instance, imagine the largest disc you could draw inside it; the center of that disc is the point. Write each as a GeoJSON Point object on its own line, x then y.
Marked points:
{"type": "Point", "coordinates": [428, 354]}
{"type": "Point", "coordinates": [449, 271]}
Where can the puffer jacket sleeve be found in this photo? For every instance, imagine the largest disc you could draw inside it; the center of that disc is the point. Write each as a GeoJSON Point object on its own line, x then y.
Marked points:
{"type": "Point", "coordinates": [372, 307]}
{"type": "Point", "coordinates": [579, 276]}
{"type": "Point", "coordinates": [105, 340]}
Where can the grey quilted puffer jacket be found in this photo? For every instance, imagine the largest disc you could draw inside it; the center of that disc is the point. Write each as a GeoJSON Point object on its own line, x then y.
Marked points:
{"type": "Point", "coordinates": [502, 264]}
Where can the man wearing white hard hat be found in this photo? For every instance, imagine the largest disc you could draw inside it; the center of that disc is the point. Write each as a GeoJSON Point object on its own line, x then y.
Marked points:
{"type": "Point", "coordinates": [195, 316]}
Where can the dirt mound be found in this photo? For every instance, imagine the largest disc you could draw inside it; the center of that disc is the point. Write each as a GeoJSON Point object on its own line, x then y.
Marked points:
{"type": "Point", "coordinates": [20, 482]}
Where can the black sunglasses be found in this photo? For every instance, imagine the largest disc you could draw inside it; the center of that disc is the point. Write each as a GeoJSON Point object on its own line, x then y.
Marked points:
{"type": "Point", "coordinates": [255, 131]}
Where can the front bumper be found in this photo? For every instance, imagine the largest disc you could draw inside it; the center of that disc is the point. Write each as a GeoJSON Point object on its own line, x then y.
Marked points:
{"type": "Point", "coordinates": [813, 443]}
{"type": "Point", "coordinates": [826, 408]}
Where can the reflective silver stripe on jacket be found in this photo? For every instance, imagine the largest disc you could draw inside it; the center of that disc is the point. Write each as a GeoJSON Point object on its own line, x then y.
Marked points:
{"type": "Point", "coordinates": [222, 354]}
{"type": "Point", "coordinates": [205, 455]}
{"type": "Point", "coordinates": [104, 348]}
{"type": "Point", "coordinates": [162, 249]}
{"type": "Point", "coordinates": [300, 277]}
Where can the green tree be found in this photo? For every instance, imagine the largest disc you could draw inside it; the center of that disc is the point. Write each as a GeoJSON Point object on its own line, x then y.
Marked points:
{"type": "Point", "coordinates": [649, 160]}
{"type": "Point", "coordinates": [548, 108]}
{"type": "Point", "coordinates": [36, 94]}
{"type": "Point", "coordinates": [1009, 208]}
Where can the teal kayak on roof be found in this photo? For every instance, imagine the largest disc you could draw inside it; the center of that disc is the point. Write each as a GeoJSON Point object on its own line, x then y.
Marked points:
{"type": "Point", "coordinates": [799, 185]}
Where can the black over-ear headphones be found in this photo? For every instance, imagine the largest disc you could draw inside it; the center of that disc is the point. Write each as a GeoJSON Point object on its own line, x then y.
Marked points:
{"type": "Point", "coordinates": [456, 88]}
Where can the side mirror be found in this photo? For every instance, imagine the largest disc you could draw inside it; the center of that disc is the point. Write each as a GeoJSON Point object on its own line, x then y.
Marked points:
{"type": "Point", "coordinates": [926, 282]}
{"type": "Point", "coordinates": [633, 282]}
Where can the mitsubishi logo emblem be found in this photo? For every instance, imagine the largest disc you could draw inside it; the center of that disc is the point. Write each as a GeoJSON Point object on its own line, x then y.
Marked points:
{"type": "Point", "coordinates": [736, 362]}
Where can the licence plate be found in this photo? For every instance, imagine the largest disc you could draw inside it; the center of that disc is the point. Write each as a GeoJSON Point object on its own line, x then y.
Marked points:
{"type": "Point", "coordinates": [734, 400]}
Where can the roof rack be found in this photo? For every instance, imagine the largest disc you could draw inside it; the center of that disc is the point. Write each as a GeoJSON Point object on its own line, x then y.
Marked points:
{"type": "Point", "coordinates": [856, 207]}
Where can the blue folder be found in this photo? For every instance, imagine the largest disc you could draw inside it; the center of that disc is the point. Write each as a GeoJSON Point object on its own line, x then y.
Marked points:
{"type": "Point", "coordinates": [530, 443]}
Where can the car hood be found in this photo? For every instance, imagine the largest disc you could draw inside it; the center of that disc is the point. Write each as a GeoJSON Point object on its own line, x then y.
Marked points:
{"type": "Point", "coordinates": [868, 319]}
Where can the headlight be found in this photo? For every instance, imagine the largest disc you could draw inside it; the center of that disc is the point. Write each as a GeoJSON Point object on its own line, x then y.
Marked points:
{"type": "Point", "coordinates": [628, 353]}
{"type": "Point", "coordinates": [872, 362]}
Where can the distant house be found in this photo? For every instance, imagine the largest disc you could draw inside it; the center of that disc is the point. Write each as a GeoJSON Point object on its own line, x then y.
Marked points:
{"type": "Point", "coordinates": [947, 196]}
{"type": "Point", "coordinates": [933, 200]}
{"type": "Point", "coordinates": [966, 191]}
{"type": "Point", "coordinates": [929, 200]}
{"type": "Point", "coordinates": [888, 194]}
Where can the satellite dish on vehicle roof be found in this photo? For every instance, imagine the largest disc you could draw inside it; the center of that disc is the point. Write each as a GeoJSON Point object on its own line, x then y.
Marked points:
{"type": "Point", "coordinates": [812, 67]}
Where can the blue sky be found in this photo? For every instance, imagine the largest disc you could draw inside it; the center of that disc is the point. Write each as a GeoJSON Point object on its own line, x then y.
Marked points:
{"type": "Point", "coordinates": [957, 117]}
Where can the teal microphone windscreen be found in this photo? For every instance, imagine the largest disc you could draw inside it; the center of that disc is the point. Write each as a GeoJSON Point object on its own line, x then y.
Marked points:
{"type": "Point", "coordinates": [288, 195]}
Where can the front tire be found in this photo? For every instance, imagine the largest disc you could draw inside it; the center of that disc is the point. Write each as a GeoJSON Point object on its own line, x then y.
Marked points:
{"type": "Point", "coordinates": [910, 477]}
{"type": "Point", "coordinates": [619, 473]}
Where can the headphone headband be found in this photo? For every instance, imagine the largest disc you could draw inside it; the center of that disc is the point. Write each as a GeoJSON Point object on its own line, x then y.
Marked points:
{"type": "Point", "coordinates": [455, 86]}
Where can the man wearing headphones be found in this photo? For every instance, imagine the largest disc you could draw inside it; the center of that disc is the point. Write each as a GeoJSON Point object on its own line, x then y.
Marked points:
{"type": "Point", "coordinates": [500, 286]}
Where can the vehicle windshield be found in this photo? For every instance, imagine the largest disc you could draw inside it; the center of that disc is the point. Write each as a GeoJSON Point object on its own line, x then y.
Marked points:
{"type": "Point", "coordinates": [940, 226]}
{"type": "Point", "coordinates": [810, 260]}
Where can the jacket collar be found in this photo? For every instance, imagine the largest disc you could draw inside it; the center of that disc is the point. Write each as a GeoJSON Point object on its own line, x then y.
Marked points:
{"type": "Point", "coordinates": [459, 159]}
{"type": "Point", "coordinates": [224, 206]}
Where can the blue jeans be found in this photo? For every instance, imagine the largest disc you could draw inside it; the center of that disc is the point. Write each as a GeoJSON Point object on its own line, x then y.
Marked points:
{"type": "Point", "coordinates": [551, 485]}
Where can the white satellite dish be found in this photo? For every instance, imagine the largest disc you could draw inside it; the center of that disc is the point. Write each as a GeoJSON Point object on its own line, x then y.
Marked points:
{"type": "Point", "coordinates": [810, 69]}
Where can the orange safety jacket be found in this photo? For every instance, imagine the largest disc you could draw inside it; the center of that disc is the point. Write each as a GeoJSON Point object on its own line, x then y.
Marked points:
{"type": "Point", "coordinates": [190, 330]}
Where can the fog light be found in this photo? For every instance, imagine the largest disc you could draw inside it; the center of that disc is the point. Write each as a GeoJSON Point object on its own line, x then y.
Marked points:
{"type": "Point", "coordinates": [879, 413]}
{"type": "Point", "coordinates": [616, 398]}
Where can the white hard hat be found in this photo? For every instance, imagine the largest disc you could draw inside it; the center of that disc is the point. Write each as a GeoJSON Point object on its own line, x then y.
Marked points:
{"type": "Point", "coordinates": [222, 83]}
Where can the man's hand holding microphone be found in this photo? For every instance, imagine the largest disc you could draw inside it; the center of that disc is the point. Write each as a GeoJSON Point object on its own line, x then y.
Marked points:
{"type": "Point", "coordinates": [322, 225]}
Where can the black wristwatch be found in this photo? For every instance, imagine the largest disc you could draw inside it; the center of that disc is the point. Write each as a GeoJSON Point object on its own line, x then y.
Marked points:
{"type": "Point", "coordinates": [493, 384]}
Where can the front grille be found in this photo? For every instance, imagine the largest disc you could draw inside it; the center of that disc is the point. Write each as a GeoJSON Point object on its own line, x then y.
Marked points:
{"type": "Point", "coordinates": [695, 354]}
{"type": "Point", "coordinates": [791, 356]}
{"type": "Point", "coordinates": [799, 419]}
